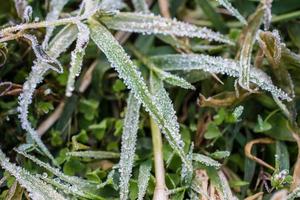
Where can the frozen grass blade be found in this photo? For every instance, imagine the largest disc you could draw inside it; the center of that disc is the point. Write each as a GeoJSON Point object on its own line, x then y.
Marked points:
{"type": "Point", "coordinates": [129, 137]}
{"type": "Point", "coordinates": [207, 161]}
{"type": "Point", "coordinates": [77, 56]}
{"type": "Point", "coordinates": [188, 62]}
{"type": "Point", "coordinates": [56, 7]}
{"type": "Point", "coordinates": [133, 79]}
{"type": "Point", "coordinates": [143, 179]}
{"type": "Point", "coordinates": [38, 189]}
{"type": "Point", "coordinates": [94, 154]}
{"type": "Point", "coordinates": [140, 6]}
{"type": "Point", "coordinates": [233, 11]}
{"type": "Point", "coordinates": [78, 182]}
{"type": "Point", "coordinates": [248, 38]}
{"type": "Point", "coordinates": [174, 80]}
{"type": "Point", "coordinates": [151, 24]}
{"type": "Point", "coordinates": [35, 77]}
{"type": "Point", "coordinates": [268, 13]}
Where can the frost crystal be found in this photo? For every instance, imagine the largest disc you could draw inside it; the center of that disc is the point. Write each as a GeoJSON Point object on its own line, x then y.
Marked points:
{"type": "Point", "coordinates": [77, 56]}
{"type": "Point", "coordinates": [133, 79]}
{"type": "Point", "coordinates": [27, 15]}
{"type": "Point", "coordinates": [268, 13]}
{"type": "Point", "coordinates": [38, 189]}
{"type": "Point", "coordinates": [188, 62]}
{"type": "Point", "coordinates": [129, 136]}
{"type": "Point", "coordinates": [151, 24]}
{"type": "Point", "coordinates": [80, 183]}
{"type": "Point", "coordinates": [144, 176]}
{"type": "Point", "coordinates": [232, 10]}
{"type": "Point", "coordinates": [226, 191]}
{"type": "Point", "coordinates": [238, 111]}
{"type": "Point", "coordinates": [206, 160]}
{"type": "Point", "coordinates": [35, 77]}
{"type": "Point", "coordinates": [141, 6]}
{"type": "Point", "coordinates": [56, 7]}
{"type": "Point", "coordinates": [94, 154]}
{"type": "Point", "coordinates": [174, 80]}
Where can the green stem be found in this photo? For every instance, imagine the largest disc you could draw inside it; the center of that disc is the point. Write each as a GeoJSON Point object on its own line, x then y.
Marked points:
{"type": "Point", "coordinates": [160, 192]}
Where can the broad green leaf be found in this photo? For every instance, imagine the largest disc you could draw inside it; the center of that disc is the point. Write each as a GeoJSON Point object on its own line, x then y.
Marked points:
{"type": "Point", "coordinates": [133, 79]}
{"type": "Point", "coordinates": [129, 137]}
{"type": "Point", "coordinates": [212, 131]}
{"type": "Point", "coordinates": [38, 189]}
{"type": "Point", "coordinates": [188, 62]}
{"type": "Point", "coordinates": [151, 24]}
{"type": "Point", "coordinates": [262, 125]}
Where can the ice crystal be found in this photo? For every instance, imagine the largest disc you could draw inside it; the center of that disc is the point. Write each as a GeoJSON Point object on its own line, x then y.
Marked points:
{"type": "Point", "coordinates": [226, 191]}
{"type": "Point", "coordinates": [77, 56]}
{"type": "Point", "coordinates": [41, 55]}
{"type": "Point", "coordinates": [174, 80]}
{"type": "Point", "coordinates": [232, 10]}
{"type": "Point", "coordinates": [94, 154]}
{"type": "Point", "coordinates": [294, 194]}
{"type": "Point", "coordinates": [151, 24]}
{"type": "Point", "coordinates": [238, 111]}
{"type": "Point", "coordinates": [20, 6]}
{"type": "Point", "coordinates": [38, 189]}
{"type": "Point", "coordinates": [143, 179]}
{"type": "Point", "coordinates": [165, 105]}
{"type": "Point", "coordinates": [133, 79]}
{"type": "Point", "coordinates": [56, 7]}
{"type": "Point", "coordinates": [129, 137]}
{"type": "Point", "coordinates": [81, 183]}
{"type": "Point", "coordinates": [188, 62]}
{"type": "Point", "coordinates": [35, 77]}
{"type": "Point", "coordinates": [268, 13]}
{"type": "Point", "coordinates": [141, 6]}
{"type": "Point", "coordinates": [27, 15]}
{"type": "Point", "coordinates": [186, 174]}
{"type": "Point", "coordinates": [205, 160]}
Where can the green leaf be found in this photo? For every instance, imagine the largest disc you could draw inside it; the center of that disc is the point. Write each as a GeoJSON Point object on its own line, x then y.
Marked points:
{"type": "Point", "coordinates": [212, 131]}
{"type": "Point", "coordinates": [262, 125]}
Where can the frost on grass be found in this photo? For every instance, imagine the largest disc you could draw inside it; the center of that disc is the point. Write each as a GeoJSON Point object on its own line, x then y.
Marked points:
{"type": "Point", "coordinates": [248, 37]}
{"type": "Point", "coordinates": [268, 13]}
{"type": "Point", "coordinates": [20, 6]}
{"type": "Point", "coordinates": [205, 160]}
{"type": "Point", "coordinates": [232, 10]}
{"type": "Point", "coordinates": [38, 189]}
{"type": "Point", "coordinates": [174, 80]}
{"type": "Point", "coordinates": [133, 79]}
{"type": "Point", "coordinates": [129, 137]}
{"type": "Point", "coordinates": [140, 6]}
{"type": "Point", "coordinates": [143, 179]}
{"type": "Point", "coordinates": [78, 182]}
{"type": "Point", "coordinates": [225, 188]}
{"type": "Point", "coordinates": [56, 7]}
{"type": "Point", "coordinates": [186, 175]}
{"type": "Point", "coordinates": [94, 154]}
{"type": "Point", "coordinates": [151, 24]}
{"type": "Point", "coordinates": [188, 62]}
{"type": "Point", "coordinates": [77, 56]}
{"type": "Point", "coordinates": [36, 75]}
{"type": "Point", "coordinates": [27, 15]}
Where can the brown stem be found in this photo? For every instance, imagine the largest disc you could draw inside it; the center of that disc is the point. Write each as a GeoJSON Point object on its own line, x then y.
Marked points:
{"type": "Point", "coordinates": [164, 8]}
{"type": "Point", "coordinates": [248, 149]}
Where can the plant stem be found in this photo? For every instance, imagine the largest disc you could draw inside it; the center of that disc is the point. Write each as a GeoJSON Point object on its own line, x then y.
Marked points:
{"type": "Point", "coordinates": [160, 192]}
{"type": "Point", "coordinates": [41, 24]}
